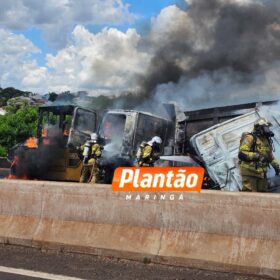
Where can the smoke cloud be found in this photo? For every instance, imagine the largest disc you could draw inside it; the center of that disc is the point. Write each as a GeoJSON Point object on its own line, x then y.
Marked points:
{"type": "Point", "coordinates": [214, 53]}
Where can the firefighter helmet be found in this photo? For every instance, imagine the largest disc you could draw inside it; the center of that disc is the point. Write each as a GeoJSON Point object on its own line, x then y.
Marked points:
{"type": "Point", "coordinates": [93, 137]}
{"type": "Point", "coordinates": [262, 122]}
{"type": "Point", "coordinates": [262, 127]}
{"type": "Point", "coordinates": [155, 140]}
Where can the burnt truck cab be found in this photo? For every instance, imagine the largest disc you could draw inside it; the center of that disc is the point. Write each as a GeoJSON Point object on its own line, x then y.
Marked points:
{"type": "Point", "coordinates": [122, 132]}
{"type": "Point", "coordinates": [54, 124]}
{"type": "Point", "coordinates": [218, 147]}
{"type": "Point", "coordinates": [61, 128]}
{"type": "Point", "coordinates": [71, 123]}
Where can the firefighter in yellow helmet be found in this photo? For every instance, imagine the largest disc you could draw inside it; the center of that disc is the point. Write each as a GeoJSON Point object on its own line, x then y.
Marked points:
{"type": "Point", "coordinates": [91, 151]}
{"type": "Point", "coordinates": [255, 155]}
{"type": "Point", "coordinates": [148, 152]}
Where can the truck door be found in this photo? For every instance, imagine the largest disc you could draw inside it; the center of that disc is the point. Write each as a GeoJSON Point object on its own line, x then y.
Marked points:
{"type": "Point", "coordinates": [83, 124]}
{"type": "Point", "coordinates": [218, 147]}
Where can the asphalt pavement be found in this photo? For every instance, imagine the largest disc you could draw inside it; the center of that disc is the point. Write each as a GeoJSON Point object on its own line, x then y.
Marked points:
{"type": "Point", "coordinates": [61, 265]}
{"type": "Point", "coordinates": [10, 276]}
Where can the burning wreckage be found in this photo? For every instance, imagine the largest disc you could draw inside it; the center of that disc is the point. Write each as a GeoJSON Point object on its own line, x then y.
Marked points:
{"type": "Point", "coordinates": [208, 137]}
{"type": "Point", "coordinates": [53, 154]}
{"type": "Point", "coordinates": [48, 156]}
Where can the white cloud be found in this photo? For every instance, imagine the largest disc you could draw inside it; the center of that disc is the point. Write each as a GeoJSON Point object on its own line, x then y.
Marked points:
{"type": "Point", "coordinates": [108, 60]}
{"type": "Point", "coordinates": [34, 77]}
{"type": "Point", "coordinates": [57, 17]}
{"type": "Point", "coordinates": [17, 68]}
{"type": "Point", "coordinates": [15, 45]}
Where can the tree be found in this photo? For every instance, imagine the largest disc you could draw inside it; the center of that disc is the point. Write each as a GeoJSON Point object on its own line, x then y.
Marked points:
{"type": "Point", "coordinates": [65, 96]}
{"type": "Point", "coordinates": [52, 96]}
{"type": "Point", "coordinates": [17, 127]}
{"type": "Point", "coordinates": [10, 92]}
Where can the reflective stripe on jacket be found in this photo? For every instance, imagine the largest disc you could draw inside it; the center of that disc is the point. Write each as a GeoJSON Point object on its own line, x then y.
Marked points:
{"type": "Point", "coordinates": [262, 147]}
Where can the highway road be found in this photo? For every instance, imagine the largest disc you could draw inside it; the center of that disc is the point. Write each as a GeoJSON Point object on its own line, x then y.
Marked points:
{"type": "Point", "coordinates": [17, 263]}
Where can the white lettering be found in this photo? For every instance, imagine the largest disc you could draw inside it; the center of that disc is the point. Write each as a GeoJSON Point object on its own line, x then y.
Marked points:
{"type": "Point", "coordinates": [180, 179]}
{"type": "Point", "coordinates": [135, 179]}
{"type": "Point", "coordinates": [169, 176]}
{"type": "Point", "coordinates": [192, 181]}
{"type": "Point", "coordinates": [146, 182]}
{"type": "Point", "coordinates": [159, 180]}
{"type": "Point", "coordinates": [127, 176]}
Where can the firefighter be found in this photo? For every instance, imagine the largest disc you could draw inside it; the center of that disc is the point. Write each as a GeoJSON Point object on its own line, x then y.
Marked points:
{"type": "Point", "coordinates": [148, 152]}
{"type": "Point", "coordinates": [255, 155]}
{"type": "Point", "coordinates": [91, 151]}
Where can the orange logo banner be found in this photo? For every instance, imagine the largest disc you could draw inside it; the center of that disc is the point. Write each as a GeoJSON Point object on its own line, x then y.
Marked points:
{"type": "Point", "coordinates": [158, 179]}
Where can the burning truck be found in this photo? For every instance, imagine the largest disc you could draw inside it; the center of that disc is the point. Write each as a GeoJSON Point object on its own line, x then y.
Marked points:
{"type": "Point", "coordinates": [49, 156]}
{"type": "Point", "coordinates": [201, 137]}
{"type": "Point", "coordinates": [53, 154]}
{"type": "Point", "coordinates": [123, 131]}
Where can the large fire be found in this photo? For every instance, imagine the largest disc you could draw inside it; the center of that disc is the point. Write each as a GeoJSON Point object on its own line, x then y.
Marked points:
{"type": "Point", "coordinates": [31, 143]}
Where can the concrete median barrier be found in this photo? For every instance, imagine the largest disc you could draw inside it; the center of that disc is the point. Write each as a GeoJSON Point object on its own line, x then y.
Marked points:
{"type": "Point", "coordinates": [212, 230]}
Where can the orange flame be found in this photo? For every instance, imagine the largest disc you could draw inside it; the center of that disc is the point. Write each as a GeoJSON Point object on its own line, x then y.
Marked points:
{"type": "Point", "coordinates": [44, 132]}
{"type": "Point", "coordinates": [65, 132]}
{"type": "Point", "coordinates": [11, 177]}
{"type": "Point", "coordinates": [31, 143]}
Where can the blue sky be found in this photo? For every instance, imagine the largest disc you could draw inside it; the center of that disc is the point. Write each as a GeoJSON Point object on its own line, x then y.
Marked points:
{"type": "Point", "coordinates": [143, 9]}
{"type": "Point", "coordinates": [148, 8]}
{"type": "Point", "coordinates": [65, 44]}
{"type": "Point", "coordinates": [35, 35]}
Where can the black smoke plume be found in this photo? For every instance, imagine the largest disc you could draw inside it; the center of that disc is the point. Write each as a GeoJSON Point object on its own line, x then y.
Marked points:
{"type": "Point", "coordinates": [215, 52]}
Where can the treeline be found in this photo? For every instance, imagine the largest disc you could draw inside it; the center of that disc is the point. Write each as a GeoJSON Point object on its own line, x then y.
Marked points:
{"type": "Point", "coordinates": [126, 100]}
{"type": "Point", "coordinates": [21, 119]}
{"type": "Point", "coordinates": [10, 92]}
{"type": "Point", "coordinates": [17, 126]}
